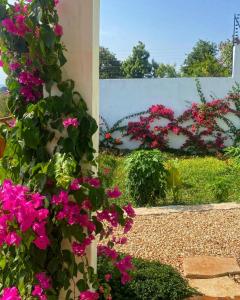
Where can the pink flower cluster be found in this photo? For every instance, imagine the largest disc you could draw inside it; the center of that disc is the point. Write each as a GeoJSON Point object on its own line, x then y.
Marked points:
{"type": "Point", "coordinates": [71, 122]}
{"type": "Point", "coordinates": [72, 212]}
{"type": "Point", "coordinates": [161, 110]}
{"type": "Point", "coordinates": [204, 132]}
{"type": "Point", "coordinates": [58, 30]}
{"type": "Point", "coordinates": [31, 86]}
{"type": "Point", "coordinates": [10, 294]}
{"type": "Point", "coordinates": [114, 193]}
{"type": "Point", "coordinates": [16, 26]}
{"type": "Point", "coordinates": [123, 265]}
{"type": "Point", "coordinates": [89, 295]}
{"type": "Point", "coordinates": [79, 249]}
{"type": "Point", "coordinates": [20, 207]}
{"type": "Point", "coordinates": [14, 66]}
{"type": "Point", "coordinates": [44, 284]}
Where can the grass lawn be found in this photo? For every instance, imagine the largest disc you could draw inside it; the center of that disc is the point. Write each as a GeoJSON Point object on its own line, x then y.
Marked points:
{"type": "Point", "coordinates": [205, 179]}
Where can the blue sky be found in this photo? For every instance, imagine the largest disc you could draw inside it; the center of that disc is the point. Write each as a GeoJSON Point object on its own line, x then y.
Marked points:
{"type": "Point", "coordinates": [169, 28]}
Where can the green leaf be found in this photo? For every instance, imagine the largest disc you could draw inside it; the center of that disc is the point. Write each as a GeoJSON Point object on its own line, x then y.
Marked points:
{"type": "Point", "coordinates": [82, 285]}
{"type": "Point", "coordinates": [53, 265]}
{"type": "Point", "coordinates": [3, 262]}
{"type": "Point", "coordinates": [48, 36]}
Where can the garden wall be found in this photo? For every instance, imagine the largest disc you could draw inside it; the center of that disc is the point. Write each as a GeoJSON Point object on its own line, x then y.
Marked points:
{"type": "Point", "coordinates": [122, 97]}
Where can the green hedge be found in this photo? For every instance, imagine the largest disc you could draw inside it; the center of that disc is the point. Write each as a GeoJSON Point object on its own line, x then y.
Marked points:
{"type": "Point", "coordinates": [151, 281]}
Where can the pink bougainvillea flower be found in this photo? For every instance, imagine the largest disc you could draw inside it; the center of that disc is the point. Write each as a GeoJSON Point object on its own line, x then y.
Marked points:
{"type": "Point", "coordinates": [74, 186]}
{"type": "Point", "coordinates": [44, 280]}
{"type": "Point", "coordinates": [71, 122]}
{"type": "Point", "coordinates": [88, 295]}
{"type": "Point", "coordinates": [60, 199]}
{"type": "Point", "coordinates": [37, 291]}
{"type": "Point", "coordinates": [129, 210]}
{"type": "Point", "coordinates": [58, 30]}
{"type": "Point", "coordinates": [128, 225]}
{"type": "Point", "coordinates": [108, 136]}
{"type": "Point", "coordinates": [108, 277]}
{"type": "Point", "coordinates": [42, 242]}
{"type": "Point", "coordinates": [109, 215]}
{"type": "Point", "coordinates": [125, 278]}
{"type": "Point", "coordinates": [28, 78]}
{"type": "Point", "coordinates": [9, 25]}
{"type": "Point", "coordinates": [1, 63]}
{"type": "Point", "coordinates": [56, 2]}
{"type": "Point", "coordinates": [17, 7]}
{"type": "Point", "coordinates": [16, 27]}
{"type": "Point", "coordinates": [10, 294]}
{"type": "Point", "coordinates": [86, 204]}
{"type": "Point", "coordinates": [125, 265]}
{"type": "Point", "coordinates": [107, 251]}
{"type": "Point", "coordinates": [121, 241]}
{"type": "Point", "coordinates": [114, 193]}
{"type": "Point", "coordinates": [19, 209]}
{"type": "Point", "coordinates": [14, 66]}
{"type": "Point", "coordinates": [80, 249]}
{"type": "Point", "coordinates": [95, 182]}
{"type": "Point", "coordinates": [13, 239]}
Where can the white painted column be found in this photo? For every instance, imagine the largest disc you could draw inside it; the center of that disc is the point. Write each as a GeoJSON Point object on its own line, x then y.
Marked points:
{"type": "Point", "coordinates": [80, 21]}
{"type": "Point", "coordinates": [236, 63]}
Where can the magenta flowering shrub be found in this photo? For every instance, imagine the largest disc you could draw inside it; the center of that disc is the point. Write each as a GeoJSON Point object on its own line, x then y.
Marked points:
{"type": "Point", "coordinates": [199, 125]}
{"type": "Point", "coordinates": [22, 213]}
{"type": "Point", "coordinates": [47, 200]}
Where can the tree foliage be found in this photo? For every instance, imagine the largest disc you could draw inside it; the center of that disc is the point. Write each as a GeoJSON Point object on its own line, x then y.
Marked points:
{"type": "Point", "coordinates": [109, 65]}
{"type": "Point", "coordinates": [137, 65]}
{"type": "Point", "coordinates": [202, 61]}
{"type": "Point", "coordinates": [166, 71]}
{"type": "Point", "coordinates": [226, 55]}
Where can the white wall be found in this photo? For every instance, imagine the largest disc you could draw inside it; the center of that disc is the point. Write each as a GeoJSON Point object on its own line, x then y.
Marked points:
{"type": "Point", "coordinates": [121, 97]}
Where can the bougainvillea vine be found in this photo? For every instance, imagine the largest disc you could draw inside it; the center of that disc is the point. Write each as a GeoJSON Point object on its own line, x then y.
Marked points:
{"type": "Point", "coordinates": [204, 127]}
{"type": "Point", "coordinates": [47, 199]}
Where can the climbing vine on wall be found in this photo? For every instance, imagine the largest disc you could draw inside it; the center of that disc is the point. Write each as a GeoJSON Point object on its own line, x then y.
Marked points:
{"type": "Point", "coordinates": [46, 198]}
{"type": "Point", "coordinates": [205, 126]}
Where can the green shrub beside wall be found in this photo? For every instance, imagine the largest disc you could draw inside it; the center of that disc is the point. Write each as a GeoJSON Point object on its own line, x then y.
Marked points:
{"type": "Point", "coordinates": [146, 179]}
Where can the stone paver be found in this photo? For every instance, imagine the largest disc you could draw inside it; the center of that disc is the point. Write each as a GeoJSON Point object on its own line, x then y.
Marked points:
{"type": "Point", "coordinates": [210, 298]}
{"type": "Point", "coordinates": [145, 211]}
{"type": "Point", "coordinates": [216, 287]}
{"type": "Point", "coordinates": [213, 298]}
{"type": "Point", "coordinates": [209, 267]}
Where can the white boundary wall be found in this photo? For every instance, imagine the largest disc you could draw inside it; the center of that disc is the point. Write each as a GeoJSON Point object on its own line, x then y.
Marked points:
{"type": "Point", "coordinates": [121, 97]}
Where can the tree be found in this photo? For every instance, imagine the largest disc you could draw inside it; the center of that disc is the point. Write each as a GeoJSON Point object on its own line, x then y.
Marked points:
{"type": "Point", "coordinates": [154, 66]}
{"type": "Point", "coordinates": [109, 65]}
{"type": "Point", "coordinates": [166, 71]}
{"type": "Point", "coordinates": [202, 61]}
{"type": "Point", "coordinates": [226, 50]}
{"type": "Point", "coordinates": [137, 65]}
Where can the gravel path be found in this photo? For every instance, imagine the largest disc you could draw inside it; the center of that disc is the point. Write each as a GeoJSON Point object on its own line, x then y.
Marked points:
{"type": "Point", "coordinates": [169, 237]}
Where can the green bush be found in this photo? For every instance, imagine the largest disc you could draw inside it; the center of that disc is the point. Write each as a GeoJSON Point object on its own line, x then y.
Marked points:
{"type": "Point", "coordinates": [106, 166]}
{"type": "Point", "coordinates": [146, 176]}
{"type": "Point", "coordinates": [151, 281]}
